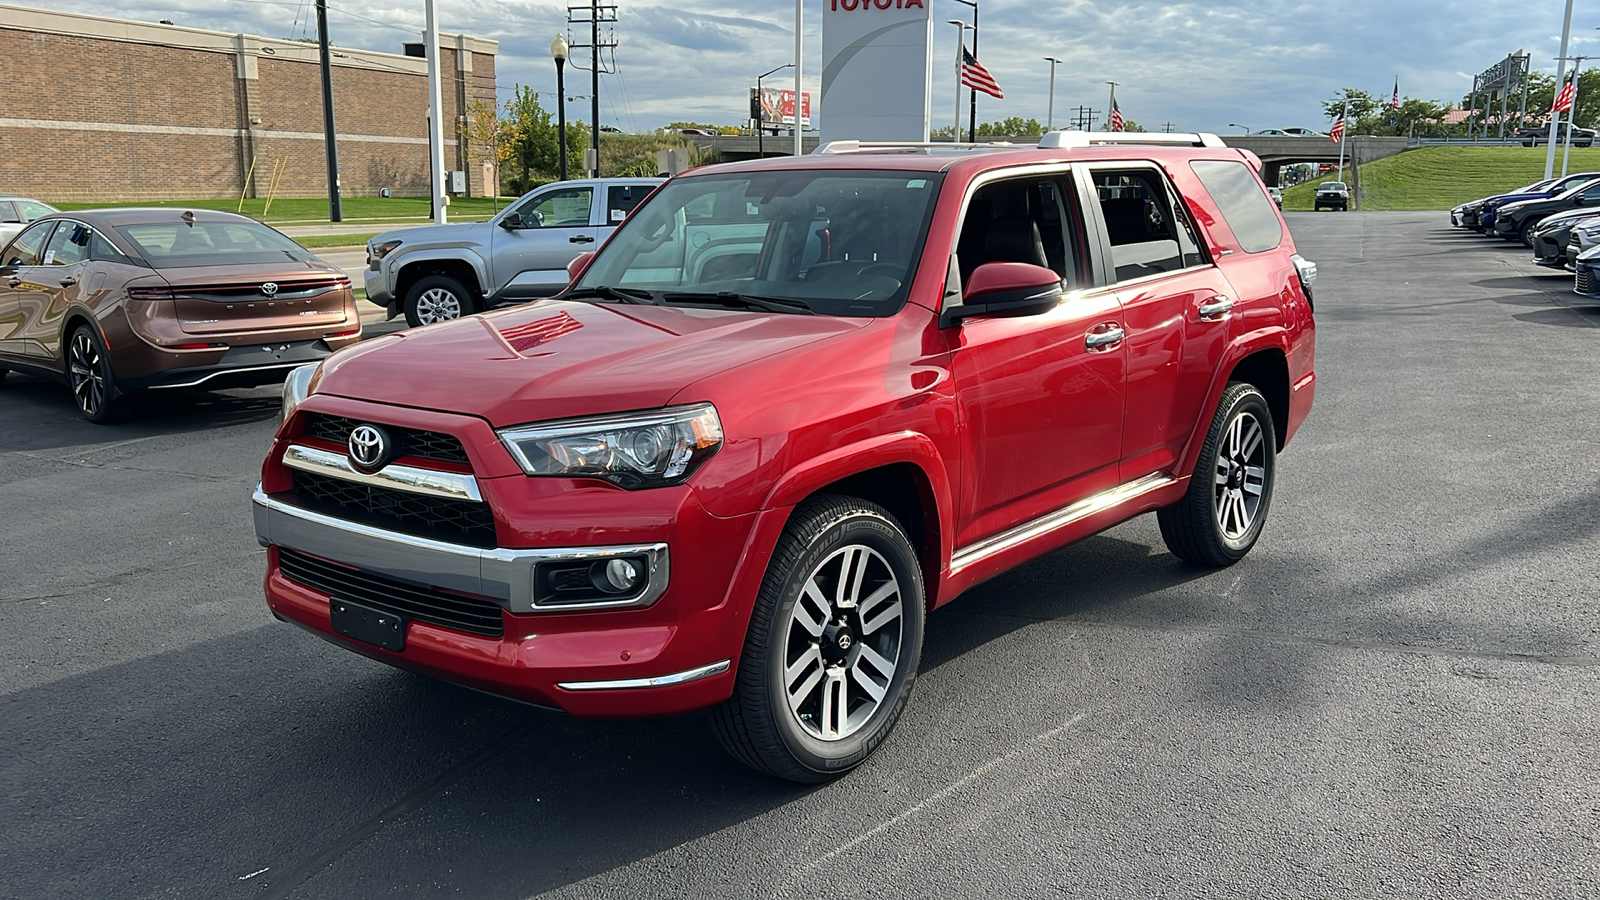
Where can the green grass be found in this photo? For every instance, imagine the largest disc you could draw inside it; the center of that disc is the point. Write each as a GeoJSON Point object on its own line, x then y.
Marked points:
{"type": "Point", "coordinates": [314, 211]}
{"type": "Point", "coordinates": [1442, 177]}
{"type": "Point", "coordinates": [323, 241]}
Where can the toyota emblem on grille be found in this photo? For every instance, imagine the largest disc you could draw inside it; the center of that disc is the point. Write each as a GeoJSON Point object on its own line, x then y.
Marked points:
{"type": "Point", "coordinates": [270, 288]}
{"type": "Point", "coordinates": [369, 448]}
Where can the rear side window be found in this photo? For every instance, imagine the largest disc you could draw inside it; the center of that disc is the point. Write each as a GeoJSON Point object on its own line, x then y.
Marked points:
{"type": "Point", "coordinates": [622, 198]}
{"type": "Point", "coordinates": [1244, 205]}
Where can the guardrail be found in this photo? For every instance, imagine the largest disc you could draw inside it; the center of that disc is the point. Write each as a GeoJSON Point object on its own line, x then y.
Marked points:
{"type": "Point", "coordinates": [1470, 142]}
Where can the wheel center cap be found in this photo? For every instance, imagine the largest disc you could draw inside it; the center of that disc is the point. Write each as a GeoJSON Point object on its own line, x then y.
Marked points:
{"type": "Point", "coordinates": [837, 639]}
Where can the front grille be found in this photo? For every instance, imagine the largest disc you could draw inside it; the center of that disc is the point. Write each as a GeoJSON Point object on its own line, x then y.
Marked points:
{"type": "Point", "coordinates": [435, 518]}
{"type": "Point", "coordinates": [474, 615]}
{"type": "Point", "coordinates": [413, 442]}
{"type": "Point", "coordinates": [1585, 281]}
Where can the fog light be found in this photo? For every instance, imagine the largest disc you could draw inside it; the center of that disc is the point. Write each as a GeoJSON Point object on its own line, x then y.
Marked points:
{"type": "Point", "coordinates": [616, 576]}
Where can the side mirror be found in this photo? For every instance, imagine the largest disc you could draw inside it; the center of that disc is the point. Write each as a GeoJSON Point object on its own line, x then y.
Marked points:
{"type": "Point", "coordinates": [1004, 290]}
{"type": "Point", "coordinates": [511, 222]}
{"type": "Point", "coordinates": [578, 264]}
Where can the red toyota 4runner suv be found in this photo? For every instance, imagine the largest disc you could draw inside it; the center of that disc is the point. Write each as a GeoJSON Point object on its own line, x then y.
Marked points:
{"type": "Point", "coordinates": [788, 407]}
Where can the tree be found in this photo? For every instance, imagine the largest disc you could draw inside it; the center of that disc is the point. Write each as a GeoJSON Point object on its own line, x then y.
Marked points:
{"type": "Point", "coordinates": [1361, 105]}
{"type": "Point", "coordinates": [533, 138]}
{"type": "Point", "coordinates": [487, 138]}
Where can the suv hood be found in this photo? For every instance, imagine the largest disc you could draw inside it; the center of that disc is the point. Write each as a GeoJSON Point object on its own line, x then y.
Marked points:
{"type": "Point", "coordinates": [433, 235]}
{"type": "Point", "coordinates": [557, 359]}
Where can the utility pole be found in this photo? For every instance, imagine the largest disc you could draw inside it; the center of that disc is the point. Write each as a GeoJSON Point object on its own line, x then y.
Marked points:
{"type": "Point", "coordinates": [335, 207]}
{"type": "Point", "coordinates": [1561, 76]}
{"type": "Point", "coordinates": [1166, 127]}
{"type": "Point", "coordinates": [594, 14]}
{"type": "Point", "coordinates": [435, 115]}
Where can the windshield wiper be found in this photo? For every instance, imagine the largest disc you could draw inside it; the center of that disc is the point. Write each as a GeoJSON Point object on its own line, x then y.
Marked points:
{"type": "Point", "coordinates": [734, 298]}
{"type": "Point", "coordinates": [606, 292]}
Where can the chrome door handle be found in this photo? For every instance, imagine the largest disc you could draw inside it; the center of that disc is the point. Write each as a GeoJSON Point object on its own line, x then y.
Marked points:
{"type": "Point", "coordinates": [580, 239]}
{"type": "Point", "coordinates": [1216, 309]}
{"type": "Point", "coordinates": [68, 281]}
{"type": "Point", "coordinates": [13, 281]}
{"type": "Point", "coordinates": [1094, 340]}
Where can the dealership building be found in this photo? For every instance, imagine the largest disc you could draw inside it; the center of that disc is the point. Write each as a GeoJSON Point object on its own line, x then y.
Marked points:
{"type": "Point", "coordinates": [110, 109]}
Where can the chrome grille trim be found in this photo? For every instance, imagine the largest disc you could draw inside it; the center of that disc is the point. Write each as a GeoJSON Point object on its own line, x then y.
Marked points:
{"type": "Point", "coordinates": [429, 482]}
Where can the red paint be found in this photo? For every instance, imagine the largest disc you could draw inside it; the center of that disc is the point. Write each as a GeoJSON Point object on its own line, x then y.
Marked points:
{"type": "Point", "coordinates": [997, 421]}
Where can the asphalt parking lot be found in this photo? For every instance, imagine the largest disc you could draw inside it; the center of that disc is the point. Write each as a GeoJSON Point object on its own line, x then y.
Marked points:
{"type": "Point", "coordinates": [1394, 695]}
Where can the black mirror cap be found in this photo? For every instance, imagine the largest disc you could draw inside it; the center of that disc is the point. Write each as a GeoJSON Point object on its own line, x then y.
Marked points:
{"type": "Point", "coordinates": [511, 222]}
{"type": "Point", "coordinates": [1006, 290]}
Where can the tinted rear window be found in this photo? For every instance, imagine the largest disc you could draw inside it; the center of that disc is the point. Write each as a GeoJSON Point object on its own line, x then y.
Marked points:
{"type": "Point", "coordinates": [1245, 206]}
{"type": "Point", "coordinates": [176, 244]}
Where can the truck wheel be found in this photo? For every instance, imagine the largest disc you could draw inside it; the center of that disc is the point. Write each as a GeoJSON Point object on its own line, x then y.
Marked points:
{"type": "Point", "coordinates": [1219, 519]}
{"type": "Point", "coordinates": [94, 385]}
{"type": "Point", "coordinates": [833, 645]}
{"type": "Point", "coordinates": [437, 298]}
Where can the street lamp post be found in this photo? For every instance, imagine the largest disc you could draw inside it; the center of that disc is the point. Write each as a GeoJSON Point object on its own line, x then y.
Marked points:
{"type": "Point", "coordinates": [1050, 110]}
{"type": "Point", "coordinates": [972, 115]}
{"type": "Point", "coordinates": [1237, 125]}
{"type": "Point", "coordinates": [761, 107]}
{"type": "Point", "coordinates": [558, 52]}
{"type": "Point", "coordinates": [961, 41]}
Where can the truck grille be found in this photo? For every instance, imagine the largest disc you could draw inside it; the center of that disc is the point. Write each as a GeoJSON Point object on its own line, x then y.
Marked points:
{"type": "Point", "coordinates": [413, 442]}
{"type": "Point", "coordinates": [435, 518]}
{"type": "Point", "coordinates": [1585, 281]}
{"type": "Point", "coordinates": [474, 615]}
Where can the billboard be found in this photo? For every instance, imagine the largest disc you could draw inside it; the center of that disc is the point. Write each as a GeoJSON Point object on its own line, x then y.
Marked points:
{"type": "Point", "coordinates": [877, 68]}
{"type": "Point", "coordinates": [775, 106]}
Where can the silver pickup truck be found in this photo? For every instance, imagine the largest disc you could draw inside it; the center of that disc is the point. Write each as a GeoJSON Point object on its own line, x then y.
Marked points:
{"type": "Point", "coordinates": [439, 272]}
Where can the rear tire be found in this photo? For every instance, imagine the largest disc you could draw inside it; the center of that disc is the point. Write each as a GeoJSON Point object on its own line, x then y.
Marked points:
{"type": "Point", "coordinates": [833, 644]}
{"type": "Point", "coordinates": [1220, 517]}
{"type": "Point", "coordinates": [437, 298]}
{"type": "Point", "coordinates": [93, 383]}
{"type": "Point", "coordinates": [1525, 233]}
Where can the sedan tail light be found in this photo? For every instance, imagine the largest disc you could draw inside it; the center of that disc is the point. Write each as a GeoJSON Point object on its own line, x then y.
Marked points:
{"type": "Point", "coordinates": [150, 293]}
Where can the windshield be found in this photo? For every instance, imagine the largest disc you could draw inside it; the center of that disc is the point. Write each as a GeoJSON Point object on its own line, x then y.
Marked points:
{"type": "Point", "coordinates": [834, 242]}
{"type": "Point", "coordinates": [171, 245]}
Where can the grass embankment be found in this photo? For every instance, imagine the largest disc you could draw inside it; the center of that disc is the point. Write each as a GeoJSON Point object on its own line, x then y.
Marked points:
{"type": "Point", "coordinates": [1442, 177]}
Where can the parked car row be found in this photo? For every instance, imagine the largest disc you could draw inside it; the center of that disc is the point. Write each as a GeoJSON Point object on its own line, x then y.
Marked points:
{"type": "Point", "coordinates": [1558, 219]}
{"type": "Point", "coordinates": [1535, 135]}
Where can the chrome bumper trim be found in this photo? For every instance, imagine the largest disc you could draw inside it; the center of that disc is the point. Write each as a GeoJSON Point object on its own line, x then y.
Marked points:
{"type": "Point", "coordinates": [429, 482]}
{"type": "Point", "coordinates": [506, 576]}
{"type": "Point", "coordinates": [221, 372]}
{"type": "Point", "coordinates": [1037, 528]}
{"type": "Point", "coordinates": [623, 684]}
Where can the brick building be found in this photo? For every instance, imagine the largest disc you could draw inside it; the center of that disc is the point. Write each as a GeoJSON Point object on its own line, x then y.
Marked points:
{"type": "Point", "coordinates": [110, 109]}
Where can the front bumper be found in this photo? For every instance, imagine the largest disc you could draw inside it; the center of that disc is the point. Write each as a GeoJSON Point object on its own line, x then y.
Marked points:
{"type": "Point", "coordinates": [1586, 281]}
{"type": "Point", "coordinates": [1550, 249]}
{"type": "Point", "coordinates": [376, 282]}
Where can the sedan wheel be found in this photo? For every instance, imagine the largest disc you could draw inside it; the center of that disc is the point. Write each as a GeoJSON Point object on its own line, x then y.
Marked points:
{"type": "Point", "coordinates": [833, 645]}
{"type": "Point", "coordinates": [94, 386]}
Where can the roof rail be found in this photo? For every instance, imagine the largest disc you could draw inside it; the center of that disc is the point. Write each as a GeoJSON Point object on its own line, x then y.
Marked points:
{"type": "Point", "coordinates": [1072, 140]}
{"type": "Point", "coordinates": [903, 146]}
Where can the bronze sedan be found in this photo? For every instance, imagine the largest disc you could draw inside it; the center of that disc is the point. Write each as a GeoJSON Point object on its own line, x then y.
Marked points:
{"type": "Point", "coordinates": [118, 301]}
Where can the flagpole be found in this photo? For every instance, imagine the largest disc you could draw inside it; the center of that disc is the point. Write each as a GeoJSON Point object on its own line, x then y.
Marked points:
{"type": "Point", "coordinates": [1113, 102]}
{"type": "Point", "coordinates": [1572, 115]}
{"type": "Point", "coordinates": [1561, 73]}
{"type": "Point", "coordinates": [1344, 118]}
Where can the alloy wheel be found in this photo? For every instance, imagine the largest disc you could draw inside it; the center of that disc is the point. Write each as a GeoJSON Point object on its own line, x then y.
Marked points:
{"type": "Point", "coordinates": [1240, 476]}
{"type": "Point", "coordinates": [843, 643]}
{"type": "Point", "coordinates": [438, 305]}
{"type": "Point", "coordinates": [87, 374]}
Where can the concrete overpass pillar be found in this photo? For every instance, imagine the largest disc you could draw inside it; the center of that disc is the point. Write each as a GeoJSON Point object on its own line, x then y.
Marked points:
{"type": "Point", "coordinates": [1270, 172]}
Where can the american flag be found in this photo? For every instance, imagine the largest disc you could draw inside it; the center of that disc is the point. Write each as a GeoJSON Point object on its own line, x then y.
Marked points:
{"type": "Point", "coordinates": [1395, 103]}
{"type": "Point", "coordinates": [1116, 116]}
{"type": "Point", "coordinates": [1564, 99]}
{"type": "Point", "coordinates": [975, 76]}
{"type": "Point", "coordinates": [1337, 133]}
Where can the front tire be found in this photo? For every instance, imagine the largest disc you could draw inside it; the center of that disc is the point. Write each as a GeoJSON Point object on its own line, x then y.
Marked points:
{"type": "Point", "coordinates": [833, 645]}
{"type": "Point", "coordinates": [94, 384]}
{"type": "Point", "coordinates": [437, 298]}
{"type": "Point", "coordinates": [1220, 517]}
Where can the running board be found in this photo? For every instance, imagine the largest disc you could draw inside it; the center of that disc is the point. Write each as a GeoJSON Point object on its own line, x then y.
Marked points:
{"type": "Point", "coordinates": [1061, 518]}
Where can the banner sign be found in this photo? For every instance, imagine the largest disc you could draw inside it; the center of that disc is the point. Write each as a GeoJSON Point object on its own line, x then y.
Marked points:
{"type": "Point", "coordinates": [775, 106]}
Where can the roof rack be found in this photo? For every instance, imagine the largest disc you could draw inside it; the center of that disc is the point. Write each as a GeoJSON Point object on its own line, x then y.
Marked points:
{"type": "Point", "coordinates": [905, 146]}
{"type": "Point", "coordinates": [1072, 140]}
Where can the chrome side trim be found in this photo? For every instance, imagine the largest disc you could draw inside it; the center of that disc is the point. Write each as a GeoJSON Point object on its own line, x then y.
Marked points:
{"type": "Point", "coordinates": [716, 668]}
{"type": "Point", "coordinates": [1061, 518]}
{"type": "Point", "coordinates": [506, 576]}
{"type": "Point", "coordinates": [430, 482]}
{"type": "Point", "coordinates": [221, 372]}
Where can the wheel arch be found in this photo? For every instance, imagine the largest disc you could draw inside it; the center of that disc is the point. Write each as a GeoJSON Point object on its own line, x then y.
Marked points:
{"type": "Point", "coordinates": [467, 269]}
{"type": "Point", "coordinates": [75, 316]}
{"type": "Point", "coordinates": [1268, 370]}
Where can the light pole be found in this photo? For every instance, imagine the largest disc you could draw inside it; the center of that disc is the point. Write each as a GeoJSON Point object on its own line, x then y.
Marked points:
{"type": "Point", "coordinates": [961, 43]}
{"type": "Point", "coordinates": [972, 115]}
{"type": "Point", "coordinates": [558, 52]}
{"type": "Point", "coordinates": [1237, 125]}
{"type": "Point", "coordinates": [1561, 74]}
{"type": "Point", "coordinates": [1050, 110]}
{"type": "Point", "coordinates": [761, 107]}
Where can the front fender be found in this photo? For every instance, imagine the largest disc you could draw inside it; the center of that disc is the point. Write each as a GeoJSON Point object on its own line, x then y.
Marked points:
{"type": "Point", "coordinates": [480, 266]}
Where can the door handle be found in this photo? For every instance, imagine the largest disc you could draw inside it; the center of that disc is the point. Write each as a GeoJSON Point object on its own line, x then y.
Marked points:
{"type": "Point", "coordinates": [69, 281]}
{"type": "Point", "coordinates": [580, 239]}
{"type": "Point", "coordinates": [1098, 339]}
{"type": "Point", "coordinates": [1216, 309]}
{"type": "Point", "coordinates": [13, 281]}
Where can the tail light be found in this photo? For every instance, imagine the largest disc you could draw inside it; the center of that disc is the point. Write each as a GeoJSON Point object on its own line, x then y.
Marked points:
{"type": "Point", "coordinates": [196, 346]}
{"type": "Point", "coordinates": [345, 333]}
{"type": "Point", "coordinates": [150, 293]}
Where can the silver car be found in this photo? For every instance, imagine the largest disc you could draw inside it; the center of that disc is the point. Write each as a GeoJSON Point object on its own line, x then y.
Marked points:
{"type": "Point", "coordinates": [16, 212]}
{"type": "Point", "coordinates": [439, 272]}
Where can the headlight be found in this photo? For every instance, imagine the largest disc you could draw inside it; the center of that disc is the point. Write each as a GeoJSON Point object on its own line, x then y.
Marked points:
{"type": "Point", "coordinates": [296, 388]}
{"type": "Point", "coordinates": [633, 450]}
{"type": "Point", "coordinates": [376, 252]}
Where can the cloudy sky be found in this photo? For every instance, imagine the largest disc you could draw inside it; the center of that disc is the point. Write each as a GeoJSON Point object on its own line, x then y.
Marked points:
{"type": "Point", "coordinates": [1198, 65]}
